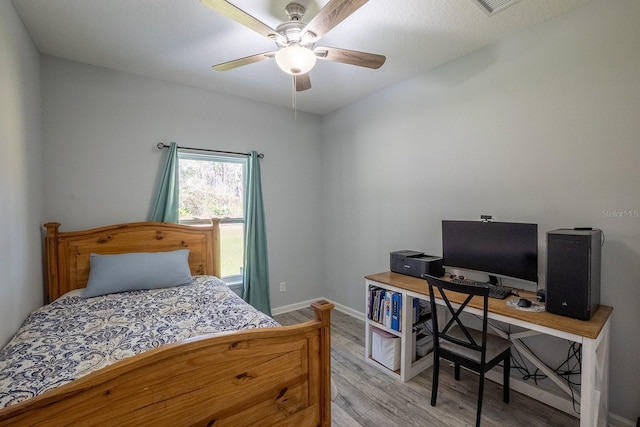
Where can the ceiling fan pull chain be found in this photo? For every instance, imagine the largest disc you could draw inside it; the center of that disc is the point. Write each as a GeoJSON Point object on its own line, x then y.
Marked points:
{"type": "Point", "coordinates": [293, 98]}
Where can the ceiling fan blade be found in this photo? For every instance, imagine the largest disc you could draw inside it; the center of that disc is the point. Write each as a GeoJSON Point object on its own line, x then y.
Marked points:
{"type": "Point", "coordinates": [303, 82]}
{"type": "Point", "coordinates": [230, 11]}
{"type": "Point", "coordinates": [329, 16]}
{"type": "Point", "coordinates": [243, 61]}
{"type": "Point", "coordinates": [353, 57]}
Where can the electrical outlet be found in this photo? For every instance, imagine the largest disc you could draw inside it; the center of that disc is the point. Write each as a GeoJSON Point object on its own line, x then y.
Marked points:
{"type": "Point", "coordinates": [283, 286]}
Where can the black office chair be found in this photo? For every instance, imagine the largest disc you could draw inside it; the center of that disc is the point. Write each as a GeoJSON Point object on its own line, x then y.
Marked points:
{"type": "Point", "coordinates": [471, 348]}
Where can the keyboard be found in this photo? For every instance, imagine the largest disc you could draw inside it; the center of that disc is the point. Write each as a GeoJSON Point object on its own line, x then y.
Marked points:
{"type": "Point", "coordinates": [495, 291]}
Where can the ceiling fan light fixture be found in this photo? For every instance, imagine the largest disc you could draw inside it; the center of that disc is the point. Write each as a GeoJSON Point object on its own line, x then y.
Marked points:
{"type": "Point", "coordinates": [295, 59]}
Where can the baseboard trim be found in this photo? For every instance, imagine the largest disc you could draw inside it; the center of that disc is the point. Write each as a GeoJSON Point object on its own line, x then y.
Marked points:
{"type": "Point", "coordinates": [291, 307]}
{"type": "Point", "coordinates": [304, 304]}
{"type": "Point", "coordinates": [618, 421]}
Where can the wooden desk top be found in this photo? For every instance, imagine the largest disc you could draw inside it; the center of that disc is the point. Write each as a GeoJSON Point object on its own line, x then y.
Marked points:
{"type": "Point", "coordinates": [585, 328]}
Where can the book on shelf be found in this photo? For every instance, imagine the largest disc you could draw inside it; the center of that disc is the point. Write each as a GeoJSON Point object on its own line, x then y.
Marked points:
{"type": "Point", "coordinates": [381, 304]}
{"type": "Point", "coordinates": [376, 304]}
{"type": "Point", "coordinates": [371, 302]}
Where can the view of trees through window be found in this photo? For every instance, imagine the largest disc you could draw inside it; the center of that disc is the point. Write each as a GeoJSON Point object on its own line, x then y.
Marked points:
{"type": "Point", "coordinates": [213, 187]}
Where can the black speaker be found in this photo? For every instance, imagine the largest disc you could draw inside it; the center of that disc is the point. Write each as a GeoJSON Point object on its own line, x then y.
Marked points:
{"type": "Point", "coordinates": [573, 272]}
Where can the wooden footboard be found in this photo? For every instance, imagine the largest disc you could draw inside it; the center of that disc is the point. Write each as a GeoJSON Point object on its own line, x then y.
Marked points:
{"type": "Point", "coordinates": [268, 377]}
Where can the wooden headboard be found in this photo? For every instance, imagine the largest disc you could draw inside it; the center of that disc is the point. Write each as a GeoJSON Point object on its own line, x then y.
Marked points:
{"type": "Point", "coordinates": [67, 253]}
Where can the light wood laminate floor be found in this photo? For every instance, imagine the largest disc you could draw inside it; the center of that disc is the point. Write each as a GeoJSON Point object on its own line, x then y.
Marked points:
{"type": "Point", "coordinates": [370, 398]}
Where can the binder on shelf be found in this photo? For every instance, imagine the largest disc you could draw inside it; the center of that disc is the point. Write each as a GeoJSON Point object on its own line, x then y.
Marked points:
{"type": "Point", "coordinates": [396, 312]}
{"type": "Point", "coordinates": [416, 310]}
{"type": "Point", "coordinates": [387, 309]}
{"type": "Point", "coordinates": [383, 297]}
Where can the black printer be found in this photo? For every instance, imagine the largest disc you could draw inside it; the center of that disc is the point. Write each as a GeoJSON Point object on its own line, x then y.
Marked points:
{"type": "Point", "coordinates": [416, 264]}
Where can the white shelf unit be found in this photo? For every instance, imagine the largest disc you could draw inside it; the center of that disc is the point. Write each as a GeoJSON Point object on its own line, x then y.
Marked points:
{"type": "Point", "coordinates": [408, 368]}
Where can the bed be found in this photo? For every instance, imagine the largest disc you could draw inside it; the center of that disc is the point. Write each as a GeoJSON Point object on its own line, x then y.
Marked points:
{"type": "Point", "coordinates": [265, 375]}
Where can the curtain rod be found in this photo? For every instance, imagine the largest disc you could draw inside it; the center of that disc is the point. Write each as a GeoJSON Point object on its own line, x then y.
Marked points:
{"type": "Point", "coordinates": [162, 145]}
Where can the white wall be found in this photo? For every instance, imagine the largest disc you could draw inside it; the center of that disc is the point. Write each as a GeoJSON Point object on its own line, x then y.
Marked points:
{"type": "Point", "coordinates": [20, 174]}
{"type": "Point", "coordinates": [543, 127]}
{"type": "Point", "coordinates": [101, 128]}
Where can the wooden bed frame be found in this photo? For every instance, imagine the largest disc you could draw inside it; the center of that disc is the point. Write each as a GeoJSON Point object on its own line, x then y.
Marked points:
{"type": "Point", "coordinates": [269, 376]}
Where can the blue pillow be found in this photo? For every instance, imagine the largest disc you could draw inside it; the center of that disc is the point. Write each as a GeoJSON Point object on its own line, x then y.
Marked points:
{"type": "Point", "coordinates": [137, 270]}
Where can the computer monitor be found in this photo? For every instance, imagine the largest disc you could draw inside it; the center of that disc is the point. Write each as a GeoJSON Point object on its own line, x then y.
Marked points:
{"type": "Point", "coordinates": [504, 249]}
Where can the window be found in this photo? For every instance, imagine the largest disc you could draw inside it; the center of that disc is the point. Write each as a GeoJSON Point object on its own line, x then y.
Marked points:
{"type": "Point", "coordinates": [213, 186]}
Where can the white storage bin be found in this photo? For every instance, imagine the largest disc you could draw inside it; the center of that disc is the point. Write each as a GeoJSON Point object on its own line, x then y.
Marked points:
{"type": "Point", "coordinates": [385, 348]}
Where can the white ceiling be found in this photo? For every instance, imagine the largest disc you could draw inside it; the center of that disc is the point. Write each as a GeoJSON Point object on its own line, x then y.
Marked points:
{"type": "Point", "coordinates": [179, 41]}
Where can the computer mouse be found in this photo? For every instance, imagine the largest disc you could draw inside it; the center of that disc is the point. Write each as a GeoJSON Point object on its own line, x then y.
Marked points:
{"type": "Point", "coordinates": [523, 302]}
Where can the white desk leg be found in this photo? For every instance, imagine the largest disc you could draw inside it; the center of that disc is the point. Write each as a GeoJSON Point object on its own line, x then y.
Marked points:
{"type": "Point", "coordinates": [594, 389]}
{"type": "Point", "coordinates": [407, 338]}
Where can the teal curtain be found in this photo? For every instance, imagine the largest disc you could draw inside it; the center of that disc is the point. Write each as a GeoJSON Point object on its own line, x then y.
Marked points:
{"type": "Point", "coordinates": [256, 268]}
{"type": "Point", "coordinates": [165, 208]}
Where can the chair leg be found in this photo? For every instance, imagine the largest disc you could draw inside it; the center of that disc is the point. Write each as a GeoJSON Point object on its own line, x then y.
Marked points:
{"type": "Point", "coordinates": [480, 392]}
{"type": "Point", "coordinates": [456, 371]}
{"type": "Point", "coordinates": [434, 383]}
{"type": "Point", "coordinates": [505, 378]}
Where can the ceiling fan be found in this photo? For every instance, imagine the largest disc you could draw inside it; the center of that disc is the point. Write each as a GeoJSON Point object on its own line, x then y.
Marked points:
{"type": "Point", "coordinates": [296, 41]}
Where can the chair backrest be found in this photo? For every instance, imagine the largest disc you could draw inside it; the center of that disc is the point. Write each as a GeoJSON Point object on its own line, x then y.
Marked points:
{"type": "Point", "coordinates": [465, 338]}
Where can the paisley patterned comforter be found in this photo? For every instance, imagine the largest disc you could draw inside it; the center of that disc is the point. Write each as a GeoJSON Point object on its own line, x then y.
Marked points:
{"type": "Point", "coordinates": [74, 336]}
